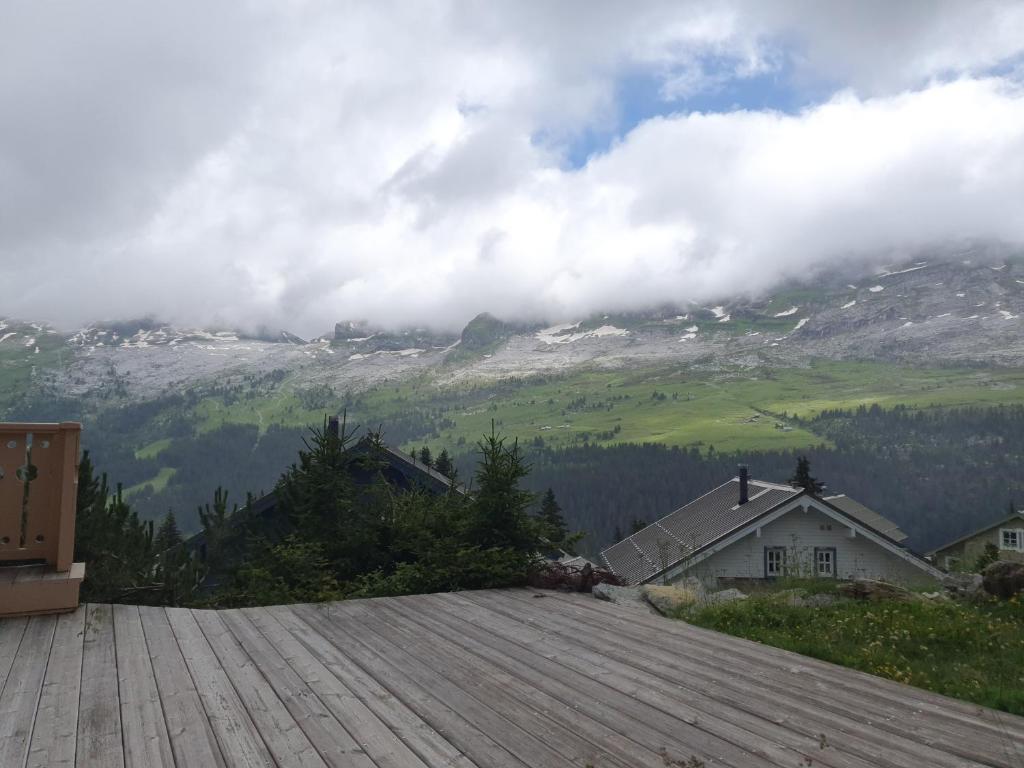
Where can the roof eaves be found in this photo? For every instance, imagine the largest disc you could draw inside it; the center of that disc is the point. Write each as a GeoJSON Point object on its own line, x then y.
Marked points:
{"type": "Point", "coordinates": [731, 531]}
{"type": "Point", "coordinates": [1017, 516]}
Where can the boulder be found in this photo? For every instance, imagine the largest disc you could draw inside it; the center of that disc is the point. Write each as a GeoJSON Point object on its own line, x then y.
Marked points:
{"type": "Point", "coordinates": [870, 589]}
{"type": "Point", "coordinates": [1003, 579]}
{"type": "Point", "coordinates": [966, 586]}
{"type": "Point", "coordinates": [627, 596]}
{"type": "Point", "coordinates": [724, 596]}
{"type": "Point", "coordinates": [669, 599]}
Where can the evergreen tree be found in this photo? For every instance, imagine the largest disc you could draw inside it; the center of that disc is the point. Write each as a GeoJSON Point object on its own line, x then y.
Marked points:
{"type": "Point", "coordinates": [443, 464]}
{"type": "Point", "coordinates": [500, 518]}
{"type": "Point", "coordinates": [637, 525]}
{"type": "Point", "coordinates": [317, 503]}
{"type": "Point", "coordinates": [215, 522]}
{"type": "Point", "coordinates": [802, 477]}
{"type": "Point", "coordinates": [175, 573]}
{"type": "Point", "coordinates": [555, 529]}
{"type": "Point", "coordinates": [425, 457]}
{"type": "Point", "coordinates": [168, 535]}
{"type": "Point", "coordinates": [116, 546]}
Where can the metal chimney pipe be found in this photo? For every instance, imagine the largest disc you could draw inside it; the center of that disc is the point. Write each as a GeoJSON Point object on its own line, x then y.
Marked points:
{"type": "Point", "coordinates": [744, 491]}
{"type": "Point", "coordinates": [332, 425]}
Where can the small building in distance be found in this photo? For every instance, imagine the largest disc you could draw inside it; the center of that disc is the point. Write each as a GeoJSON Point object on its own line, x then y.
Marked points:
{"type": "Point", "coordinates": [751, 529]}
{"type": "Point", "coordinates": [1006, 535]}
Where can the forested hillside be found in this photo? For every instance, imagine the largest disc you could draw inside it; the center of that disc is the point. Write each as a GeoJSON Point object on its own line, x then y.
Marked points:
{"type": "Point", "coordinates": [937, 473]}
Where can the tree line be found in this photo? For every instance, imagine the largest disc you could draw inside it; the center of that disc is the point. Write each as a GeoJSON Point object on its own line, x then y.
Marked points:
{"type": "Point", "coordinates": [337, 529]}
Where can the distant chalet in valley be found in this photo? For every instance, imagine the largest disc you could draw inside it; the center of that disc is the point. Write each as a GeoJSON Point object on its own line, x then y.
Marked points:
{"type": "Point", "coordinates": [751, 529]}
{"type": "Point", "coordinates": [1006, 535]}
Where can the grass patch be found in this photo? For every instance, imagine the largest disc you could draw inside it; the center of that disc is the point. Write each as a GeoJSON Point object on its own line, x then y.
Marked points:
{"type": "Point", "coordinates": [154, 449]}
{"type": "Point", "coordinates": [973, 652]}
{"type": "Point", "coordinates": [163, 477]}
{"type": "Point", "coordinates": [736, 410]}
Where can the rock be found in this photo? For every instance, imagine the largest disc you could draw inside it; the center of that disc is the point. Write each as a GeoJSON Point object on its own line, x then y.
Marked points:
{"type": "Point", "coordinates": [669, 599]}
{"type": "Point", "coordinates": [966, 586]}
{"type": "Point", "coordinates": [870, 589]}
{"type": "Point", "coordinates": [725, 596]}
{"type": "Point", "coordinates": [1004, 579]}
{"type": "Point", "coordinates": [627, 596]}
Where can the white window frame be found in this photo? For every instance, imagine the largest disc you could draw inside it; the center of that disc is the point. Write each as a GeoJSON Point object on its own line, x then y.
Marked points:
{"type": "Point", "coordinates": [832, 556]}
{"type": "Point", "coordinates": [1018, 536]}
{"type": "Point", "coordinates": [780, 569]}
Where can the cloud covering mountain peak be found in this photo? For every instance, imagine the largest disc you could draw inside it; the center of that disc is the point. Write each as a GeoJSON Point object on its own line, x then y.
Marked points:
{"type": "Point", "coordinates": [294, 164]}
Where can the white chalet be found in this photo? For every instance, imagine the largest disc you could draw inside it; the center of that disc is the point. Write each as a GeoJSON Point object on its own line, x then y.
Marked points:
{"type": "Point", "coordinates": [751, 529]}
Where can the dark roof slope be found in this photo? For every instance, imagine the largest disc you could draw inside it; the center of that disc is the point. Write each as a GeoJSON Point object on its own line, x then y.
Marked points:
{"type": "Point", "coordinates": [691, 528]}
{"type": "Point", "coordinates": [1016, 517]}
{"type": "Point", "coordinates": [868, 517]}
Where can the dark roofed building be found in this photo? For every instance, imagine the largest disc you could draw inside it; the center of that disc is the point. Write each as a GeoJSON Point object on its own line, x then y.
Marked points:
{"type": "Point", "coordinates": [1006, 535]}
{"type": "Point", "coordinates": [752, 529]}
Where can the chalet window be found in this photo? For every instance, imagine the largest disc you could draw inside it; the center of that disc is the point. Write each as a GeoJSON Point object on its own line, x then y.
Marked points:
{"type": "Point", "coordinates": [1011, 538]}
{"type": "Point", "coordinates": [825, 562]}
{"type": "Point", "coordinates": [774, 561]}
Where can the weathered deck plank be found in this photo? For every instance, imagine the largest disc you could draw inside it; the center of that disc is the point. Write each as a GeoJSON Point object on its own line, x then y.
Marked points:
{"type": "Point", "coordinates": [279, 730]}
{"type": "Point", "coordinates": [723, 696]}
{"type": "Point", "coordinates": [192, 738]}
{"type": "Point", "coordinates": [947, 738]}
{"type": "Point", "coordinates": [144, 730]}
{"type": "Point", "coordinates": [416, 691]}
{"type": "Point", "coordinates": [517, 701]}
{"type": "Point", "coordinates": [99, 709]}
{"type": "Point", "coordinates": [21, 693]}
{"type": "Point", "coordinates": [465, 680]}
{"type": "Point", "coordinates": [324, 731]}
{"type": "Point", "coordinates": [56, 727]}
{"type": "Point", "coordinates": [384, 748]}
{"type": "Point", "coordinates": [670, 713]}
{"type": "Point", "coordinates": [239, 740]}
{"type": "Point", "coordinates": [11, 632]}
{"type": "Point", "coordinates": [418, 735]}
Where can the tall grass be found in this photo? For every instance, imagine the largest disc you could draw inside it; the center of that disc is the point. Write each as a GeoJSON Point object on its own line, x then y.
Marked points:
{"type": "Point", "coordinates": [971, 651]}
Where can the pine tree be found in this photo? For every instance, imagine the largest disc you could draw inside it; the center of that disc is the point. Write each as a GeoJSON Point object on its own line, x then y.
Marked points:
{"type": "Point", "coordinates": [317, 503]}
{"type": "Point", "coordinates": [802, 477]}
{"type": "Point", "coordinates": [168, 535]}
{"type": "Point", "coordinates": [551, 518]}
{"type": "Point", "coordinates": [215, 522]}
{"type": "Point", "coordinates": [499, 506]}
{"type": "Point", "coordinates": [425, 457]}
{"type": "Point", "coordinates": [443, 464]}
{"type": "Point", "coordinates": [109, 537]}
{"type": "Point", "coordinates": [175, 572]}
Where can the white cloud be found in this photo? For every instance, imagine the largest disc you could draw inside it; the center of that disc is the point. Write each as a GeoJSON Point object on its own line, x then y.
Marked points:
{"type": "Point", "coordinates": [402, 162]}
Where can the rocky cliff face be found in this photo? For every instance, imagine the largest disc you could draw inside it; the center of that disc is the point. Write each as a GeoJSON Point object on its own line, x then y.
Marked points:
{"type": "Point", "coordinates": [952, 312]}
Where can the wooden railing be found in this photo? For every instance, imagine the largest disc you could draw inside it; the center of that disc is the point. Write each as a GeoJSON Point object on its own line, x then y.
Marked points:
{"type": "Point", "coordinates": [38, 490]}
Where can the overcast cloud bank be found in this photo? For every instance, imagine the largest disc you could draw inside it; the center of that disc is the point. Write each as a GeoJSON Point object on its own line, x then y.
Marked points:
{"type": "Point", "coordinates": [254, 164]}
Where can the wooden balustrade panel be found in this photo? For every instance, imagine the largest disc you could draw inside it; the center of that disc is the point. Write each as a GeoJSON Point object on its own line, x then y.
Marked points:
{"type": "Point", "coordinates": [30, 524]}
{"type": "Point", "coordinates": [12, 456]}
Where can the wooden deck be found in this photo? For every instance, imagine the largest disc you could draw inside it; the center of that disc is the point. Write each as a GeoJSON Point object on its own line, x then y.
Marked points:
{"type": "Point", "coordinates": [489, 679]}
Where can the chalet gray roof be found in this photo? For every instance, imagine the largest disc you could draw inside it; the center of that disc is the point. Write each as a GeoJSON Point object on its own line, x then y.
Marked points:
{"type": "Point", "coordinates": [1016, 517]}
{"type": "Point", "coordinates": [692, 527]}
{"type": "Point", "coordinates": [869, 517]}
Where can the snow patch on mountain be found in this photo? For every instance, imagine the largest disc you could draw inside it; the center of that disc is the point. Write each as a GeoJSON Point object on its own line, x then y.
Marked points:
{"type": "Point", "coordinates": [559, 334]}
